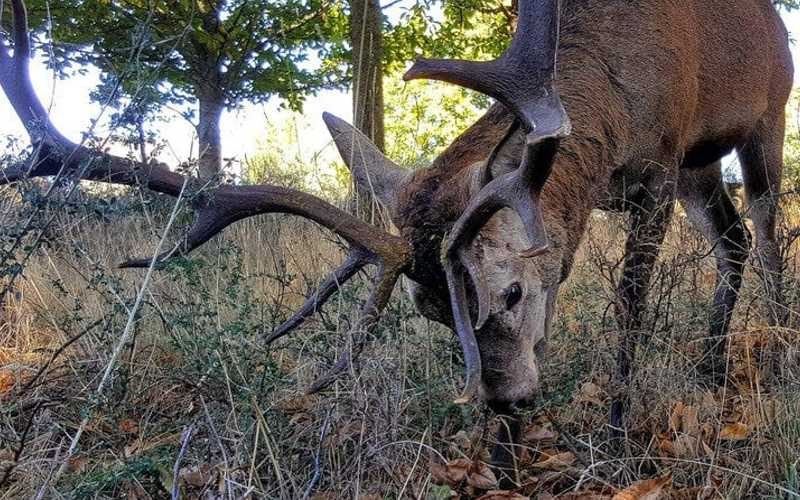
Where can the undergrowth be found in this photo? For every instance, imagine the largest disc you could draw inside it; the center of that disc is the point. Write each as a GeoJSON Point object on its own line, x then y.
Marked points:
{"type": "Point", "coordinates": [198, 398]}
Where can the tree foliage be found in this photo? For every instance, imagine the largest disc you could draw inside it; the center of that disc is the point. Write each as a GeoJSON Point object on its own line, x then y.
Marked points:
{"type": "Point", "coordinates": [207, 54]}
{"type": "Point", "coordinates": [260, 47]}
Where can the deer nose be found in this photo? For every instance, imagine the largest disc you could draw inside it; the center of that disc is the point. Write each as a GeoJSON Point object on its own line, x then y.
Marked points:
{"type": "Point", "coordinates": [515, 407]}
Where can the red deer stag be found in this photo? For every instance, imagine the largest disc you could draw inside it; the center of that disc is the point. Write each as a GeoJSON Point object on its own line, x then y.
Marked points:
{"type": "Point", "coordinates": [656, 93]}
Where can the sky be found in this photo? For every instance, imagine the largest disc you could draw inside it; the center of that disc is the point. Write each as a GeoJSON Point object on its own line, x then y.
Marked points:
{"type": "Point", "coordinates": [243, 129]}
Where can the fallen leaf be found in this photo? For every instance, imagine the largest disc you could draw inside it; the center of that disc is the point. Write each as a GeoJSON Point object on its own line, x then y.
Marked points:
{"type": "Point", "coordinates": [197, 476]}
{"type": "Point", "coordinates": [684, 419]}
{"type": "Point", "coordinates": [734, 432]}
{"type": "Point", "coordinates": [480, 476]}
{"type": "Point", "coordinates": [555, 461]}
{"type": "Point", "coordinates": [502, 495]}
{"type": "Point", "coordinates": [77, 463]}
{"type": "Point", "coordinates": [539, 434]}
{"type": "Point", "coordinates": [650, 489]}
{"type": "Point", "coordinates": [476, 474]}
{"type": "Point", "coordinates": [461, 439]}
{"type": "Point", "coordinates": [666, 447]}
{"type": "Point", "coordinates": [7, 381]}
{"type": "Point", "coordinates": [590, 393]}
{"type": "Point", "coordinates": [129, 426]}
{"type": "Point", "coordinates": [451, 473]}
{"type": "Point", "coordinates": [297, 404]}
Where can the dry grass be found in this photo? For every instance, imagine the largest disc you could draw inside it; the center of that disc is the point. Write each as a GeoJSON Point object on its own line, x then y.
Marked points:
{"type": "Point", "coordinates": [196, 362]}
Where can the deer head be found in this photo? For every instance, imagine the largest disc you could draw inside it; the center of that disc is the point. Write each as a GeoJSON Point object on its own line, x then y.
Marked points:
{"type": "Point", "coordinates": [498, 240]}
{"type": "Point", "coordinates": [488, 241]}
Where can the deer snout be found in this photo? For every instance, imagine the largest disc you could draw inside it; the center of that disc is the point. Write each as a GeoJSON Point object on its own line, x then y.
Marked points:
{"type": "Point", "coordinates": [511, 379]}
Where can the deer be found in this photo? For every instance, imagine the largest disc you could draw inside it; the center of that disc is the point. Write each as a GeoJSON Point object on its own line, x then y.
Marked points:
{"type": "Point", "coordinates": [612, 105]}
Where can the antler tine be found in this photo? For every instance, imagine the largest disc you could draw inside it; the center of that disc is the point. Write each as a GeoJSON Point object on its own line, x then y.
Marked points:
{"type": "Point", "coordinates": [369, 315]}
{"type": "Point", "coordinates": [216, 207]}
{"type": "Point", "coordinates": [357, 258]}
{"type": "Point", "coordinates": [522, 78]}
{"type": "Point", "coordinates": [518, 190]}
{"type": "Point", "coordinates": [464, 330]}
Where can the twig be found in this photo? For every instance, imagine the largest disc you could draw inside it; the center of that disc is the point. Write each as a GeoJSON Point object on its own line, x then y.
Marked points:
{"type": "Point", "coordinates": [318, 458]}
{"type": "Point", "coordinates": [216, 437]}
{"type": "Point", "coordinates": [186, 435]}
{"type": "Point", "coordinates": [22, 442]}
{"type": "Point", "coordinates": [263, 423]}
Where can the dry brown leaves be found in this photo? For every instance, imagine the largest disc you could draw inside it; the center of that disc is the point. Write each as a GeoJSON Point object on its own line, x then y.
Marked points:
{"type": "Point", "coordinates": [462, 471]}
{"type": "Point", "coordinates": [649, 489]}
{"type": "Point", "coordinates": [77, 463]}
{"type": "Point", "coordinates": [7, 381]}
{"type": "Point", "coordinates": [554, 460]}
{"type": "Point", "coordinates": [197, 476]}
{"type": "Point", "coordinates": [734, 432]}
{"type": "Point", "coordinates": [129, 426]}
{"type": "Point", "coordinates": [689, 438]}
{"type": "Point", "coordinates": [297, 404]}
{"type": "Point", "coordinates": [299, 407]}
{"type": "Point", "coordinates": [540, 433]}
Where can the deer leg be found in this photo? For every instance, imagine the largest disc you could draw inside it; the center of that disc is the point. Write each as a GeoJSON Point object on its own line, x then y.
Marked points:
{"type": "Point", "coordinates": [710, 209]}
{"type": "Point", "coordinates": [762, 164]}
{"type": "Point", "coordinates": [650, 215]}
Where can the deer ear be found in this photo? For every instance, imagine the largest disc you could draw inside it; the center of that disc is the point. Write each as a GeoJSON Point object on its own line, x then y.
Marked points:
{"type": "Point", "coordinates": [372, 171]}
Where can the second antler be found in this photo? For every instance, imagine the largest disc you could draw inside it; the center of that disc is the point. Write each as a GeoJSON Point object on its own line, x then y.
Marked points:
{"type": "Point", "coordinates": [216, 207]}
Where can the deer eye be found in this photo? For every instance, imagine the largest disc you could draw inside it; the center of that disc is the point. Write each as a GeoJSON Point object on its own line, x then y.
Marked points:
{"type": "Point", "coordinates": [512, 295]}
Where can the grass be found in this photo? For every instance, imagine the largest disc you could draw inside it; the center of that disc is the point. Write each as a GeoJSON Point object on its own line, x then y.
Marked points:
{"type": "Point", "coordinates": [195, 361]}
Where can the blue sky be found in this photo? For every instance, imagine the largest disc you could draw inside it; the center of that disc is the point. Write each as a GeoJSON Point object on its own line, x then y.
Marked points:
{"type": "Point", "coordinates": [243, 130]}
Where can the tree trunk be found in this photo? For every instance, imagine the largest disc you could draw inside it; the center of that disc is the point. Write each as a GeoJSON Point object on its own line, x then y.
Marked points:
{"type": "Point", "coordinates": [366, 38]}
{"type": "Point", "coordinates": [211, 105]}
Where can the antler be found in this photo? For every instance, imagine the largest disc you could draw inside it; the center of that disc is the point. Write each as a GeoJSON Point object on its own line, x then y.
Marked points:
{"type": "Point", "coordinates": [523, 79]}
{"type": "Point", "coordinates": [215, 207]}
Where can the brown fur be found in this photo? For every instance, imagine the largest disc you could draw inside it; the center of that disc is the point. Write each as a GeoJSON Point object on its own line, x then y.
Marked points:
{"type": "Point", "coordinates": [651, 87]}
{"type": "Point", "coordinates": [647, 81]}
